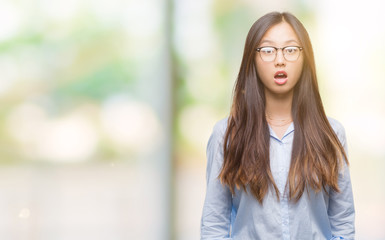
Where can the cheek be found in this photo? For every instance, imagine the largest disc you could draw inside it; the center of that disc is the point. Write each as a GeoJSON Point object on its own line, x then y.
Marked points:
{"type": "Point", "coordinates": [262, 70]}
{"type": "Point", "coordinates": [298, 70]}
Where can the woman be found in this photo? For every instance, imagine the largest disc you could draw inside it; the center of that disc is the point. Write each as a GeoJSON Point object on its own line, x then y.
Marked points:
{"type": "Point", "coordinates": [277, 166]}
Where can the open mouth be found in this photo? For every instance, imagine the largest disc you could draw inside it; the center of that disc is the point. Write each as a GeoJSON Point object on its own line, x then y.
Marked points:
{"type": "Point", "coordinates": [280, 77]}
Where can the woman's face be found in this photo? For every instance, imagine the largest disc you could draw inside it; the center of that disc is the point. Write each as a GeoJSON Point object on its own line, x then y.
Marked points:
{"type": "Point", "coordinates": [279, 76]}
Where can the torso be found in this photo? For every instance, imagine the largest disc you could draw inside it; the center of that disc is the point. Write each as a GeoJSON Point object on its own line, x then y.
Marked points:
{"type": "Point", "coordinates": [279, 130]}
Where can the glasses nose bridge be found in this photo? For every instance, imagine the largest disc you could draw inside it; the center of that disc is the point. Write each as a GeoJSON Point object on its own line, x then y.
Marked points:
{"type": "Point", "coordinates": [279, 50]}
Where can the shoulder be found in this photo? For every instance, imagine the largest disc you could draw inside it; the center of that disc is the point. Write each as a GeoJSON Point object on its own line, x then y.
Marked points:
{"type": "Point", "coordinates": [220, 127]}
{"type": "Point", "coordinates": [217, 136]}
{"type": "Point", "coordinates": [338, 129]}
{"type": "Point", "coordinates": [336, 125]}
{"type": "Point", "coordinates": [214, 148]}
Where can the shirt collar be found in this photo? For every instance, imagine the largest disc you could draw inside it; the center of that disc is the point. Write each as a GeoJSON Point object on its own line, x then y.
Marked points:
{"type": "Point", "coordinates": [289, 130]}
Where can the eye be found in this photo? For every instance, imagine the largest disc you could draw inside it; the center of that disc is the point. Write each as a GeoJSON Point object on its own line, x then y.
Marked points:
{"type": "Point", "coordinates": [291, 50]}
{"type": "Point", "coordinates": [267, 50]}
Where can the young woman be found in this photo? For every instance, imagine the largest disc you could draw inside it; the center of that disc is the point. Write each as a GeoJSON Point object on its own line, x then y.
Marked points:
{"type": "Point", "coordinates": [277, 166]}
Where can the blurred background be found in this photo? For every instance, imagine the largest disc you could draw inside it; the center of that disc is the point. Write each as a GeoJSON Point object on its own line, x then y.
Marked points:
{"type": "Point", "coordinates": [106, 108]}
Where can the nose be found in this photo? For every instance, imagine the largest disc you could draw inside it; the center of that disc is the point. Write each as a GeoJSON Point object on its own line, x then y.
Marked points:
{"type": "Point", "coordinates": [279, 59]}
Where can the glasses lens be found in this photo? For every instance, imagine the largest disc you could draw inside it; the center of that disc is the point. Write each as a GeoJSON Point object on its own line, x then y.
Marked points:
{"type": "Point", "coordinates": [267, 54]}
{"type": "Point", "coordinates": [291, 53]}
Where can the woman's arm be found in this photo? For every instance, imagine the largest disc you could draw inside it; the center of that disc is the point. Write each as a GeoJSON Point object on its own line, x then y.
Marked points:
{"type": "Point", "coordinates": [215, 223]}
{"type": "Point", "coordinates": [341, 205]}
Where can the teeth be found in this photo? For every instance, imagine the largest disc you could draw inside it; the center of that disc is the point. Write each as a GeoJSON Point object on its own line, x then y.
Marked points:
{"type": "Point", "coordinates": [280, 75]}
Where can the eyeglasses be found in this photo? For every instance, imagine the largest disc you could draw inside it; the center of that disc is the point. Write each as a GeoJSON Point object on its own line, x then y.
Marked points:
{"type": "Point", "coordinates": [290, 53]}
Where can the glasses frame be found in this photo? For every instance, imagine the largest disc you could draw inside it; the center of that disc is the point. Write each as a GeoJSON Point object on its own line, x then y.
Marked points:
{"type": "Point", "coordinates": [276, 52]}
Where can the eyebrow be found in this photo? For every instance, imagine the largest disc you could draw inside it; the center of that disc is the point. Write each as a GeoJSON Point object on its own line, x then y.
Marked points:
{"type": "Point", "coordinates": [269, 41]}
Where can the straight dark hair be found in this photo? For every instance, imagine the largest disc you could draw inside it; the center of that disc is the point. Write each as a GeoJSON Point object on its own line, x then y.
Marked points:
{"type": "Point", "coordinates": [317, 153]}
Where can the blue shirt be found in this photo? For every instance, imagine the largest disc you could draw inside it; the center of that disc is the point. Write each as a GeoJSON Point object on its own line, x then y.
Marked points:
{"type": "Point", "coordinates": [317, 215]}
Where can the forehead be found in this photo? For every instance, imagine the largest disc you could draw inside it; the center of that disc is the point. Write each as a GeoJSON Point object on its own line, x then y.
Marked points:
{"type": "Point", "coordinates": [280, 34]}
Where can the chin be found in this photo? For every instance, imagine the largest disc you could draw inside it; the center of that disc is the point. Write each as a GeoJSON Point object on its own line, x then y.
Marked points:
{"type": "Point", "coordinates": [282, 90]}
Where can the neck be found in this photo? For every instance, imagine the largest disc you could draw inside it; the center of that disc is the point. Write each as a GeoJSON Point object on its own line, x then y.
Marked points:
{"type": "Point", "coordinates": [278, 106]}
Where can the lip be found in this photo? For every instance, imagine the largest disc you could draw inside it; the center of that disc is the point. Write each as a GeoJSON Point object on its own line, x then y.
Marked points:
{"type": "Point", "coordinates": [280, 81]}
